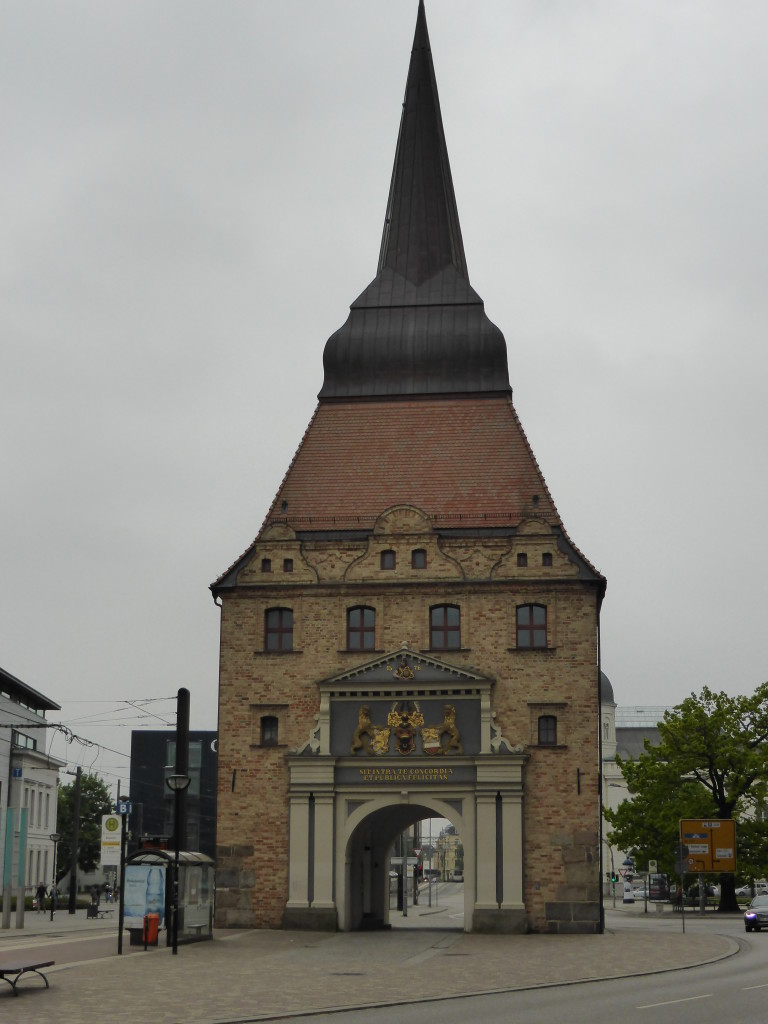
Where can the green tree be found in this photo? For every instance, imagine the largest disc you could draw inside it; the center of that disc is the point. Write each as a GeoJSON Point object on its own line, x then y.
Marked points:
{"type": "Point", "coordinates": [710, 762]}
{"type": "Point", "coordinates": [95, 800]}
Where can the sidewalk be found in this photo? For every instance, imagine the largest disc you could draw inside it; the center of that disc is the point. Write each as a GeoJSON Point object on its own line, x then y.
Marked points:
{"type": "Point", "coordinates": [258, 975]}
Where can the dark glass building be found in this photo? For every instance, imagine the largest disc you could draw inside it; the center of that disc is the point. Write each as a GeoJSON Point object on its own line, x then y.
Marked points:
{"type": "Point", "coordinates": [153, 756]}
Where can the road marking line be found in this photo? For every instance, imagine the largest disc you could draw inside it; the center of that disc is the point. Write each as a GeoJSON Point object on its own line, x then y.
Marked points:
{"type": "Point", "coordinates": [750, 987]}
{"type": "Point", "coordinates": [671, 1002]}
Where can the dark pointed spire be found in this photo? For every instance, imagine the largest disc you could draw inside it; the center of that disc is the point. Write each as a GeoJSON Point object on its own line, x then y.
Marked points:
{"type": "Point", "coordinates": [421, 232]}
{"type": "Point", "coordinates": [419, 328]}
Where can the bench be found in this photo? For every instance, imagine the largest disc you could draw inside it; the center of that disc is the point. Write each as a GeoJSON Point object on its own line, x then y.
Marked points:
{"type": "Point", "coordinates": [20, 969]}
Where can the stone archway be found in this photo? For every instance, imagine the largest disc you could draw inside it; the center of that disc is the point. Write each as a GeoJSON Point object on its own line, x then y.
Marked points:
{"type": "Point", "coordinates": [397, 740]}
{"type": "Point", "coordinates": [365, 844]}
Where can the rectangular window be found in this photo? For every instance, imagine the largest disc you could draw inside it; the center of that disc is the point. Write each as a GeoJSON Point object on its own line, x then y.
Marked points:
{"type": "Point", "coordinates": [445, 627]}
{"type": "Point", "coordinates": [287, 565]}
{"type": "Point", "coordinates": [419, 559]}
{"type": "Point", "coordinates": [266, 565]}
{"type": "Point", "coordinates": [532, 626]}
{"type": "Point", "coordinates": [547, 731]}
{"type": "Point", "coordinates": [387, 559]}
{"type": "Point", "coordinates": [361, 629]}
{"type": "Point", "coordinates": [278, 629]}
{"type": "Point", "coordinates": [522, 560]}
{"type": "Point", "coordinates": [269, 730]}
{"type": "Point", "coordinates": [546, 558]}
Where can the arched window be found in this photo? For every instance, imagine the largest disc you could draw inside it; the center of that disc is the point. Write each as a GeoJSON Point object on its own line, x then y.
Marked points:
{"type": "Point", "coordinates": [278, 629]}
{"type": "Point", "coordinates": [361, 629]}
{"type": "Point", "coordinates": [269, 727]}
{"type": "Point", "coordinates": [445, 627]}
{"type": "Point", "coordinates": [419, 558]}
{"type": "Point", "coordinates": [547, 731]}
{"type": "Point", "coordinates": [532, 625]}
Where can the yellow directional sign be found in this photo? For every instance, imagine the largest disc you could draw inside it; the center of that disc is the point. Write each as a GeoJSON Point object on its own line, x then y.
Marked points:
{"type": "Point", "coordinates": [711, 843]}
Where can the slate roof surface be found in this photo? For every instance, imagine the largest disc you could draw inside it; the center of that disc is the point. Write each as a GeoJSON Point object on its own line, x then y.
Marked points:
{"type": "Point", "coordinates": [419, 328]}
{"type": "Point", "coordinates": [464, 461]}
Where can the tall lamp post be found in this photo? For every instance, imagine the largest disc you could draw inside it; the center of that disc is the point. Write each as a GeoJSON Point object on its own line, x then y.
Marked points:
{"type": "Point", "coordinates": [55, 839]}
{"type": "Point", "coordinates": [177, 785]}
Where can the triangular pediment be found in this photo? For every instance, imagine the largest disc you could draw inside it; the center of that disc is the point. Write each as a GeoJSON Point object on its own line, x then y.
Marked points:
{"type": "Point", "coordinates": [403, 667]}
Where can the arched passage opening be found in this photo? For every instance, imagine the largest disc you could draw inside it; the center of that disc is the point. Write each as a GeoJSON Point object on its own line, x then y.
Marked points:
{"type": "Point", "coordinates": [368, 862]}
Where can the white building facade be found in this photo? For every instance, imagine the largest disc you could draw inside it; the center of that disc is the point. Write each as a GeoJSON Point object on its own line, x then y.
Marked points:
{"type": "Point", "coordinates": [624, 731]}
{"type": "Point", "coordinates": [29, 780]}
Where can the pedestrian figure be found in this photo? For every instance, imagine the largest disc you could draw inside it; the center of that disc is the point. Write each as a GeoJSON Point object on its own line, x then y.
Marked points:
{"type": "Point", "coordinates": [54, 894]}
{"type": "Point", "coordinates": [40, 894]}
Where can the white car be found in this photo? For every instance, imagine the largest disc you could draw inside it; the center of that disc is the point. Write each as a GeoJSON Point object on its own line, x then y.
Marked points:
{"type": "Point", "coordinates": [761, 889]}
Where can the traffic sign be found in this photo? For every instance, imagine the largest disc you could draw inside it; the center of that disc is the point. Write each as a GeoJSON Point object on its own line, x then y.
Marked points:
{"type": "Point", "coordinates": [710, 843]}
{"type": "Point", "coordinates": [123, 806]}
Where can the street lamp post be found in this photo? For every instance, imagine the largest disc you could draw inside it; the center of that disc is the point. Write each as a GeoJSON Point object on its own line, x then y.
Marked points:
{"type": "Point", "coordinates": [55, 839]}
{"type": "Point", "coordinates": [177, 785]}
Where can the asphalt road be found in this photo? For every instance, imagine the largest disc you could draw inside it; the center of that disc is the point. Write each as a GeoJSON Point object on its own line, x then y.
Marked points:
{"type": "Point", "coordinates": [731, 991]}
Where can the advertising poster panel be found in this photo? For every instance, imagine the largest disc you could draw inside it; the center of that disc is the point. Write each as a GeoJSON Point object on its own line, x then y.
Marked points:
{"type": "Point", "coordinates": [144, 893]}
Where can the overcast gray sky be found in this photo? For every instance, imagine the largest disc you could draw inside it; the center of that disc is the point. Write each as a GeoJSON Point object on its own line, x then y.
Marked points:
{"type": "Point", "coordinates": [192, 194]}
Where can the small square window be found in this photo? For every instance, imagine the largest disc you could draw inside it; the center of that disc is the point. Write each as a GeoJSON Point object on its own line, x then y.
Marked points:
{"type": "Point", "coordinates": [387, 559]}
{"type": "Point", "coordinates": [522, 560]}
{"type": "Point", "coordinates": [287, 565]}
{"type": "Point", "coordinates": [266, 565]}
{"type": "Point", "coordinates": [419, 559]}
{"type": "Point", "coordinates": [546, 558]}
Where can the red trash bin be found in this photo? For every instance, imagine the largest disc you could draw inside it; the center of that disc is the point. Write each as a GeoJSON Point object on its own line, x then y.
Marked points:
{"type": "Point", "coordinates": [151, 929]}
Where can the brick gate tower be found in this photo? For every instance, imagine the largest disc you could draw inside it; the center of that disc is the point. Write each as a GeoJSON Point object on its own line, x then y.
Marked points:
{"type": "Point", "coordinates": [412, 633]}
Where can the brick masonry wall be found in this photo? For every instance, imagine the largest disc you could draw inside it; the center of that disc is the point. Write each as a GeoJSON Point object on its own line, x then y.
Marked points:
{"type": "Point", "coordinates": [561, 809]}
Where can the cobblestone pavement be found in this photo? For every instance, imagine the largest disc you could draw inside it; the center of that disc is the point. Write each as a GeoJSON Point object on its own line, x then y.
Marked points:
{"type": "Point", "coordinates": [258, 975]}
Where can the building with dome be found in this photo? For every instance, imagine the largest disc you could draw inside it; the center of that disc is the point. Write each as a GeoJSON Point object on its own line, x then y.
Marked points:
{"type": "Point", "coordinates": [412, 633]}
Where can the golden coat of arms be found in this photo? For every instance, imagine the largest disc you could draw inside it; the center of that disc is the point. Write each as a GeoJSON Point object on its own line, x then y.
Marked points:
{"type": "Point", "coordinates": [406, 722]}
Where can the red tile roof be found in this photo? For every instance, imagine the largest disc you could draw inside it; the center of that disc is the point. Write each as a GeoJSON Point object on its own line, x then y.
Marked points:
{"type": "Point", "coordinates": [464, 461]}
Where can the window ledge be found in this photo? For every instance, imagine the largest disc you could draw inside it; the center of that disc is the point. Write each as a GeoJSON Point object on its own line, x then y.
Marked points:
{"type": "Point", "coordinates": [547, 746]}
{"type": "Point", "coordinates": [444, 650]}
{"type": "Point", "coordinates": [361, 650]}
{"type": "Point", "coordinates": [278, 654]}
{"type": "Point", "coordinates": [531, 650]}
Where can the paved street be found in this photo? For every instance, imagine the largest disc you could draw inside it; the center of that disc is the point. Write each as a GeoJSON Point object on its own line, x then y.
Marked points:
{"type": "Point", "coordinates": [257, 975]}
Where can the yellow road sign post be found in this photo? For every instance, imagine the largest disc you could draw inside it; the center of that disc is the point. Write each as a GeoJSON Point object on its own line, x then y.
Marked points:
{"type": "Point", "coordinates": [711, 843]}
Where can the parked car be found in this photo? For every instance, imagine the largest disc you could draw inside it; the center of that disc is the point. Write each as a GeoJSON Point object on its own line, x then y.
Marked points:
{"type": "Point", "coordinates": [761, 889]}
{"type": "Point", "coordinates": [756, 914]}
{"type": "Point", "coordinates": [458, 876]}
